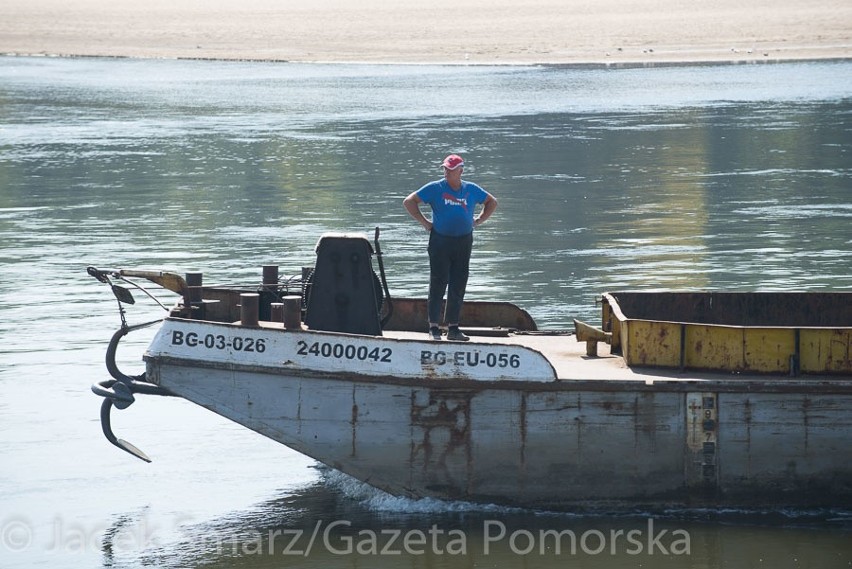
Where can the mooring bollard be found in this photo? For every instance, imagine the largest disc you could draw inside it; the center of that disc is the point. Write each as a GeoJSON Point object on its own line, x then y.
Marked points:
{"type": "Point", "coordinates": [276, 310]}
{"type": "Point", "coordinates": [293, 312]}
{"type": "Point", "coordinates": [249, 302]}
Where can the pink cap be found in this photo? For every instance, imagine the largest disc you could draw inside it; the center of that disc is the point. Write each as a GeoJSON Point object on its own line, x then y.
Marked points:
{"type": "Point", "coordinates": [452, 162]}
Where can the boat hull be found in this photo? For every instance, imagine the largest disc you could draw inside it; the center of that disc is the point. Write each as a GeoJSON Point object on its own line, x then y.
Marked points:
{"type": "Point", "coordinates": [580, 445]}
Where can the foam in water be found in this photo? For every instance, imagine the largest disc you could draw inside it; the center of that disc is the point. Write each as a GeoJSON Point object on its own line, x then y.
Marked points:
{"type": "Point", "coordinates": [376, 500]}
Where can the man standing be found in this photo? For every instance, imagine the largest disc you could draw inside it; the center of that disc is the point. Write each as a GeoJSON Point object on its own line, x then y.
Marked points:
{"type": "Point", "coordinates": [453, 201]}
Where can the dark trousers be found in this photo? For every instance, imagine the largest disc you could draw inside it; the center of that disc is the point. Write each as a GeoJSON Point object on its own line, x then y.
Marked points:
{"type": "Point", "coordinates": [449, 266]}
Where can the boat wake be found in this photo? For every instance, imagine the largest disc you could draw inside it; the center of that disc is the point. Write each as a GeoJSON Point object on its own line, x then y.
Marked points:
{"type": "Point", "coordinates": [378, 501]}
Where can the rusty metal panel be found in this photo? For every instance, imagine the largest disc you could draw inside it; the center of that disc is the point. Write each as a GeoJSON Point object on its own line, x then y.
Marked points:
{"type": "Point", "coordinates": [768, 350]}
{"type": "Point", "coordinates": [621, 329]}
{"type": "Point", "coordinates": [410, 314]}
{"type": "Point", "coordinates": [611, 323]}
{"type": "Point", "coordinates": [769, 309]}
{"type": "Point", "coordinates": [653, 343]}
{"type": "Point", "coordinates": [619, 341]}
{"type": "Point", "coordinates": [825, 351]}
{"type": "Point", "coordinates": [714, 347]}
{"type": "Point", "coordinates": [735, 332]}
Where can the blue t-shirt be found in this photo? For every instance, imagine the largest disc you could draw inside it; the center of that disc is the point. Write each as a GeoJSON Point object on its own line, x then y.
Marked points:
{"type": "Point", "coordinates": [452, 211]}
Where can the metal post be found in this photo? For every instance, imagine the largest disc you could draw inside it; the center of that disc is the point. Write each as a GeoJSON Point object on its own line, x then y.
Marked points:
{"type": "Point", "coordinates": [192, 301]}
{"type": "Point", "coordinates": [277, 312]}
{"type": "Point", "coordinates": [249, 302]}
{"type": "Point", "coordinates": [293, 312]}
{"type": "Point", "coordinates": [270, 275]}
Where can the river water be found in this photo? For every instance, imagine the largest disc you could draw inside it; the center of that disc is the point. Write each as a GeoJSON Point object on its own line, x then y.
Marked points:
{"type": "Point", "coordinates": [714, 177]}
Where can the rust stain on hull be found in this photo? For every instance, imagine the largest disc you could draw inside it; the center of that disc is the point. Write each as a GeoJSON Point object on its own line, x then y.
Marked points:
{"type": "Point", "coordinates": [440, 444]}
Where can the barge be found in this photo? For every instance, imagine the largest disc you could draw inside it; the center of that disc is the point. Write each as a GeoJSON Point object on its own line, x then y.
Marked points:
{"type": "Point", "coordinates": [676, 400]}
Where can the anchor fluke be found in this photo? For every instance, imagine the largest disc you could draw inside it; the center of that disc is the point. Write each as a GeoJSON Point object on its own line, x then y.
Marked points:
{"type": "Point", "coordinates": [106, 406]}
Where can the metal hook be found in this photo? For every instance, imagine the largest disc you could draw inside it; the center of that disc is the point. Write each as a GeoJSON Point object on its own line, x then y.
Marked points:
{"type": "Point", "coordinates": [106, 406]}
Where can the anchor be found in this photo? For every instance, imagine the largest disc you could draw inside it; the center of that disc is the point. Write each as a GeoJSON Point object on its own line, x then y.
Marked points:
{"type": "Point", "coordinates": [119, 391]}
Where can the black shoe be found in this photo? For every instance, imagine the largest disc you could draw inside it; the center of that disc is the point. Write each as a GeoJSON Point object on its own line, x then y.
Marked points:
{"type": "Point", "coordinates": [435, 333]}
{"type": "Point", "coordinates": [456, 335]}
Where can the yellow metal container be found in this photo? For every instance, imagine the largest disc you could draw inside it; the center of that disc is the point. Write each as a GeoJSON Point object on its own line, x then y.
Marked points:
{"type": "Point", "coordinates": [748, 332]}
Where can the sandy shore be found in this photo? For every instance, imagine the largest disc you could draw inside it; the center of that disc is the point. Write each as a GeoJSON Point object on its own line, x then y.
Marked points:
{"type": "Point", "coordinates": [436, 31]}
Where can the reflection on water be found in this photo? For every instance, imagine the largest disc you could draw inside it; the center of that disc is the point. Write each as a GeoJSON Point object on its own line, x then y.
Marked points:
{"type": "Point", "coordinates": [731, 178]}
{"type": "Point", "coordinates": [337, 522]}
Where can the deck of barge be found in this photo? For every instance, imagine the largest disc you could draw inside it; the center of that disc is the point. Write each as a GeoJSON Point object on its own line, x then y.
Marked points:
{"type": "Point", "coordinates": [569, 359]}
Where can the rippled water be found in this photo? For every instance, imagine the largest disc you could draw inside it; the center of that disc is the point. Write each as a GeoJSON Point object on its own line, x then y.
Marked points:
{"type": "Point", "coordinates": [722, 177]}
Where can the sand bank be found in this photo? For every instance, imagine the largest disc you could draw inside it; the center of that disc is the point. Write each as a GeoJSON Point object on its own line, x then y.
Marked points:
{"type": "Point", "coordinates": [437, 31]}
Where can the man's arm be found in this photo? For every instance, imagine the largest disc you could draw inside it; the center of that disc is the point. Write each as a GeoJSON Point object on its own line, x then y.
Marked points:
{"type": "Point", "coordinates": [412, 206]}
{"type": "Point", "coordinates": [488, 207]}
